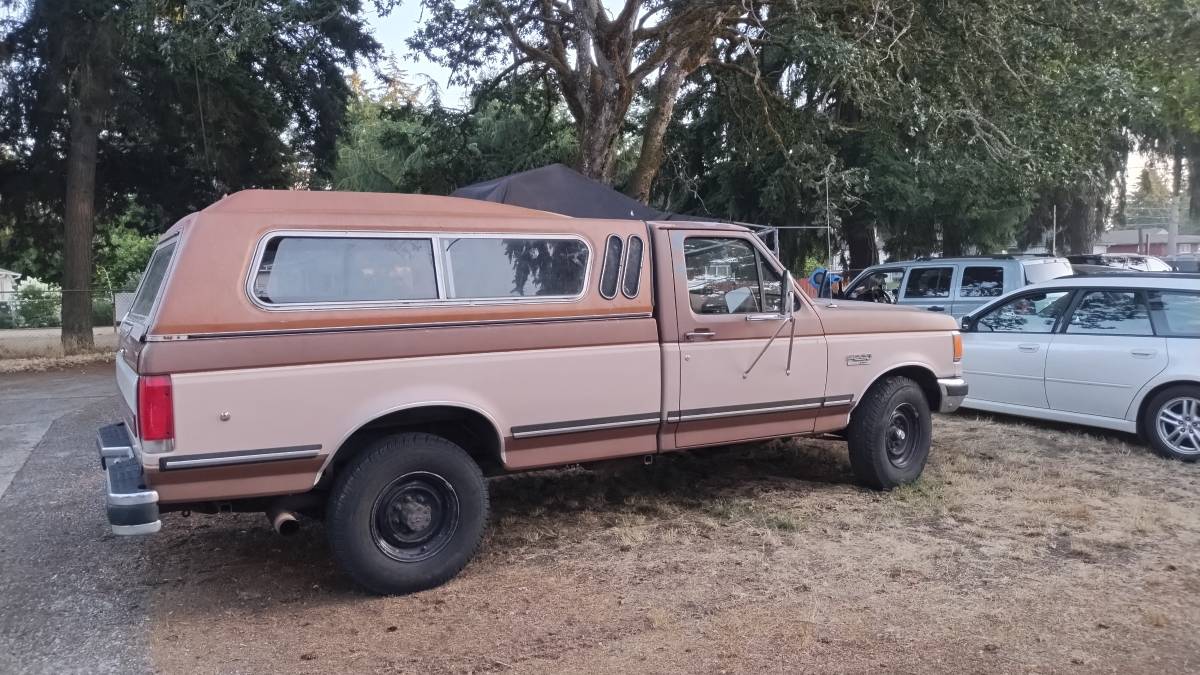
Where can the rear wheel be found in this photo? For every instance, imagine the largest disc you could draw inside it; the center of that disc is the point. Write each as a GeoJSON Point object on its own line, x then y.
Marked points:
{"type": "Point", "coordinates": [1172, 423]}
{"type": "Point", "coordinates": [407, 514]}
{"type": "Point", "coordinates": [889, 434]}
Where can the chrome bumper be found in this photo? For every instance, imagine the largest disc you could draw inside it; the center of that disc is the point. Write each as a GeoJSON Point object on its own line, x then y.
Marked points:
{"type": "Point", "coordinates": [953, 391]}
{"type": "Point", "coordinates": [132, 507]}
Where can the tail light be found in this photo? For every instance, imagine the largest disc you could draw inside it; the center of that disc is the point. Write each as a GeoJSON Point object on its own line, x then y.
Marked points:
{"type": "Point", "coordinates": [155, 408]}
{"type": "Point", "coordinates": [957, 347]}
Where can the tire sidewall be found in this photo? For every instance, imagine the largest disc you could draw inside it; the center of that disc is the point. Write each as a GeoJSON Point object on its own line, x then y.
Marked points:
{"type": "Point", "coordinates": [360, 485]}
{"type": "Point", "coordinates": [870, 427]}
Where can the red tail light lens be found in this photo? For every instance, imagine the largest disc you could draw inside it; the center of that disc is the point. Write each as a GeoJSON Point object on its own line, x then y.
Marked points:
{"type": "Point", "coordinates": [156, 411]}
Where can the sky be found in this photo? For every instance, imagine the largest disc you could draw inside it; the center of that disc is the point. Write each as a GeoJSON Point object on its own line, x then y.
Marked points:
{"type": "Point", "coordinates": [392, 30]}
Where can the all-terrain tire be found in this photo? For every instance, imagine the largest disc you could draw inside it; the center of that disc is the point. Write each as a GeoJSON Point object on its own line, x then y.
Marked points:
{"type": "Point", "coordinates": [1174, 399]}
{"type": "Point", "coordinates": [889, 434]}
{"type": "Point", "coordinates": [407, 513]}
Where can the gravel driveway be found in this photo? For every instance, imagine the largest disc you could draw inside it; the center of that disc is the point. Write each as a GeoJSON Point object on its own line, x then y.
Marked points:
{"type": "Point", "coordinates": [72, 596]}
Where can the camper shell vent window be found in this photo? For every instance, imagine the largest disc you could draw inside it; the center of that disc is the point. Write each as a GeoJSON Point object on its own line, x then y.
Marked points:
{"type": "Point", "coordinates": [610, 274]}
{"type": "Point", "coordinates": [296, 270]}
{"type": "Point", "coordinates": [633, 267]}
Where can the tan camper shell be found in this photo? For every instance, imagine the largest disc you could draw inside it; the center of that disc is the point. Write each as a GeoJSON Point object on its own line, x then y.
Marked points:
{"type": "Point", "coordinates": [369, 359]}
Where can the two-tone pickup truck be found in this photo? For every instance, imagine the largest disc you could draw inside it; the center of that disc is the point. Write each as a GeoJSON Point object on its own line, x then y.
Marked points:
{"type": "Point", "coordinates": [368, 359]}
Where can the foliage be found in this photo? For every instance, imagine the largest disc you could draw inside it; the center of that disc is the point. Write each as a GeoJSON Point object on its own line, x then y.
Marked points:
{"type": "Point", "coordinates": [122, 251]}
{"type": "Point", "coordinates": [37, 304]}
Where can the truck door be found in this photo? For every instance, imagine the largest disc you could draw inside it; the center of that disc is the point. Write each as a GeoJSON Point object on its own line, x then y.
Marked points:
{"type": "Point", "coordinates": [733, 343]}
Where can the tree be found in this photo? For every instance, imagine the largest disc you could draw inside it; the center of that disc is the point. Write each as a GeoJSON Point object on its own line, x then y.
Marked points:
{"type": "Point", "coordinates": [168, 103]}
{"type": "Point", "coordinates": [598, 60]}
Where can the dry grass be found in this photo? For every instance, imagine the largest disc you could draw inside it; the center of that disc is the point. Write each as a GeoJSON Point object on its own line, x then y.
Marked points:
{"type": "Point", "coordinates": [1023, 548]}
{"type": "Point", "coordinates": [44, 363]}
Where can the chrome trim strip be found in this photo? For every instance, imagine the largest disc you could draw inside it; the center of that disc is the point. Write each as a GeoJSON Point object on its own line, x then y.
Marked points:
{"type": "Point", "coordinates": [239, 457]}
{"type": "Point", "coordinates": [837, 400]}
{"type": "Point", "coordinates": [129, 530]}
{"type": "Point", "coordinates": [759, 409]}
{"type": "Point", "coordinates": [738, 413]}
{"type": "Point", "coordinates": [582, 425]}
{"type": "Point", "coordinates": [396, 326]}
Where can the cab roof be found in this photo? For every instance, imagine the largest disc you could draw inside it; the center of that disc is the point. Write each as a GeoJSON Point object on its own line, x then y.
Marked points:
{"type": "Point", "coordinates": [310, 201]}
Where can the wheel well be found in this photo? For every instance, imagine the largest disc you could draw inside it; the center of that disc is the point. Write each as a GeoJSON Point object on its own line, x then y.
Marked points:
{"type": "Point", "coordinates": [469, 429]}
{"type": "Point", "coordinates": [923, 377]}
{"type": "Point", "coordinates": [1141, 413]}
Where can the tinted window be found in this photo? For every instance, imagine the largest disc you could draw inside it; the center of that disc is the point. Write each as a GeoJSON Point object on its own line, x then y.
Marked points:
{"type": "Point", "coordinates": [1046, 271]}
{"type": "Point", "coordinates": [722, 276]}
{"type": "Point", "coordinates": [1111, 313]}
{"type": "Point", "coordinates": [152, 281]}
{"type": "Point", "coordinates": [982, 282]}
{"type": "Point", "coordinates": [881, 286]}
{"type": "Point", "coordinates": [610, 274]}
{"type": "Point", "coordinates": [1029, 313]}
{"type": "Point", "coordinates": [345, 269]}
{"type": "Point", "coordinates": [495, 267]}
{"type": "Point", "coordinates": [772, 288]}
{"type": "Point", "coordinates": [633, 268]}
{"type": "Point", "coordinates": [1176, 314]}
{"type": "Point", "coordinates": [928, 282]}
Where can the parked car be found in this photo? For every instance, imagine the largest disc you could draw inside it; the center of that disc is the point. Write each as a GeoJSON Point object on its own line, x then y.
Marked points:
{"type": "Point", "coordinates": [1122, 261]}
{"type": "Point", "coordinates": [952, 285]}
{"type": "Point", "coordinates": [368, 358]}
{"type": "Point", "coordinates": [1117, 351]}
{"type": "Point", "coordinates": [1184, 262]}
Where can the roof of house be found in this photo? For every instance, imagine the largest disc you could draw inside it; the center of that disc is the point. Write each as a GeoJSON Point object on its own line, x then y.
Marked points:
{"type": "Point", "coordinates": [8, 273]}
{"type": "Point", "coordinates": [1155, 235]}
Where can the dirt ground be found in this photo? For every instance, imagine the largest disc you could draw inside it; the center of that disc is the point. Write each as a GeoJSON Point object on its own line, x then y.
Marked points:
{"type": "Point", "coordinates": [28, 343]}
{"type": "Point", "coordinates": [1024, 548]}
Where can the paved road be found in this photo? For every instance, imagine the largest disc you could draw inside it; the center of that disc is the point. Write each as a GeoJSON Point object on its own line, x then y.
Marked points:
{"type": "Point", "coordinates": [66, 604]}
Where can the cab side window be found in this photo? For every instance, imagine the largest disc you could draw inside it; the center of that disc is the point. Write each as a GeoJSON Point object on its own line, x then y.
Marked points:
{"type": "Point", "coordinates": [1029, 313]}
{"type": "Point", "coordinates": [982, 282]}
{"type": "Point", "coordinates": [727, 276]}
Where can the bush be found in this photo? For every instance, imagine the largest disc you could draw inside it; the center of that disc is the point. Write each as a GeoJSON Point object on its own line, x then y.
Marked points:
{"type": "Point", "coordinates": [38, 305]}
{"type": "Point", "coordinates": [8, 315]}
{"type": "Point", "coordinates": [102, 310]}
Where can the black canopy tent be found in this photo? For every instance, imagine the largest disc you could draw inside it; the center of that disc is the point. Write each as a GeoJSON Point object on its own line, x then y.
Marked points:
{"type": "Point", "coordinates": [560, 189]}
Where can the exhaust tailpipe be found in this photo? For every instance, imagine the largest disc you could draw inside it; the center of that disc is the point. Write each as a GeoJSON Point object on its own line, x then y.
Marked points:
{"type": "Point", "coordinates": [284, 521]}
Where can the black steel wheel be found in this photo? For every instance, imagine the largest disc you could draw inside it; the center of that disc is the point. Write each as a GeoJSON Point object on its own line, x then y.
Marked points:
{"type": "Point", "coordinates": [903, 435]}
{"type": "Point", "coordinates": [407, 513]}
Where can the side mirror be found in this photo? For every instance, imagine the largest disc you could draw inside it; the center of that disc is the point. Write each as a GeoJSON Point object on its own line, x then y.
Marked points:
{"type": "Point", "coordinates": [967, 324]}
{"type": "Point", "coordinates": [789, 295]}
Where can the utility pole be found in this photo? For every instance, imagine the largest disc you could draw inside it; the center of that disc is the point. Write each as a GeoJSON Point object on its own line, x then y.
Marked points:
{"type": "Point", "coordinates": [1054, 232]}
{"type": "Point", "coordinates": [1173, 228]}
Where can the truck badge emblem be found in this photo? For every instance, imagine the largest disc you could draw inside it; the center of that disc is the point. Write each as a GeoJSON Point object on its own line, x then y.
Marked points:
{"type": "Point", "coordinates": [858, 359]}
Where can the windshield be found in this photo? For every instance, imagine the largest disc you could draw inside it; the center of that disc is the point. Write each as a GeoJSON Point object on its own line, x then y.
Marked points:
{"type": "Point", "coordinates": [152, 282]}
{"type": "Point", "coordinates": [1046, 271]}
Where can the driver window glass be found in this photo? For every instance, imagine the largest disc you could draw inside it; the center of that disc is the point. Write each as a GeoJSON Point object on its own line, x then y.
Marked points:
{"type": "Point", "coordinates": [1111, 313]}
{"type": "Point", "coordinates": [722, 276]}
{"type": "Point", "coordinates": [982, 282]}
{"type": "Point", "coordinates": [881, 286]}
{"type": "Point", "coordinates": [928, 282]}
{"type": "Point", "coordinates": [1033, 313]}
{"type": "Point", "coordinates": [772, 283]}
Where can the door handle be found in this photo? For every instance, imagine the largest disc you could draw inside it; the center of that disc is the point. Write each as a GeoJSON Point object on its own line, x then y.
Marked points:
{"type": "Point", "coordinates": [700, 334]}
{"type": "Point", "coordinates": [937, 308]}
{"type": "Point", "coordinates": [1143, 353]}
{"type": "Point", "coordinates": [1029, 348]}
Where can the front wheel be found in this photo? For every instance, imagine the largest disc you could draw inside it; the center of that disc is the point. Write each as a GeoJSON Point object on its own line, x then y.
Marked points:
{"type": "Point", "coordinates": [889, 434]}
{"type": "Point", "coordinates": [1172, 423]}
{"type": "Point", "coordinates": [407, 514]}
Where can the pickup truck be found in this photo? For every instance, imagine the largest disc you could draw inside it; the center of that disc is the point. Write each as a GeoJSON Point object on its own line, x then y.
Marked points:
{"type": "Point", "coordinates": [367, 359]}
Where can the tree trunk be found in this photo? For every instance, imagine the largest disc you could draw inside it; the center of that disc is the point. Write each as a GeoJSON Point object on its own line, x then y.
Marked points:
{"type": "Point", "coordinates": [651, 157]}
{"type": "Point", "coordinates": [86, 110]}
{"type": "Point", "coordinates": [598, 133]}
{"type": "Point", "coordinates": [860, 239]}
{"type": "Point", "coordinates": [1194, 183]}
{"type": "Point", "coordinates": [952, 240]}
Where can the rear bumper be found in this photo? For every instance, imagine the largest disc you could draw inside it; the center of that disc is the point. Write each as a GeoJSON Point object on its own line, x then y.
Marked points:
{"type": "Point", "coordinates": [132, 507]}
{"type": "Point", "coordinates": [953, 390]}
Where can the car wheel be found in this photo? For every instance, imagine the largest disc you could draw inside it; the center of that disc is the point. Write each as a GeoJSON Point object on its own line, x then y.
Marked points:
{"type": "Point", "coordinates": [1172, 423]}
{"type": "Point", "coordinates": [407, 514]}
{"type": "Point", "coordinates": [889, 434]}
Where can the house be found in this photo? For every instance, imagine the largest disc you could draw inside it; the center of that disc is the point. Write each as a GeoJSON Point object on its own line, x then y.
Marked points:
{"type": "Point", "coordinates": [1147, 240]}
{"type": "Point", "coordinates": [8, 284]}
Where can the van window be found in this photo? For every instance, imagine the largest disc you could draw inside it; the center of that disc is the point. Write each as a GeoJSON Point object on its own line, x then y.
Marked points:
{"type": "Point", "coordinates": [1111, 313]}
{"type": "Point", "coordinates": [513, 267]}
{"type": "Point", "coordinates": [878, 286]}
{"type": "Point", "coordinates": [928, 282]}
{"type": "Point", "coordinates": [611, 272]}
{"type": "Point", "coordinates": [302, 270]}
{"type": "Point", "coordinates": [1047, 270]}
{"type": "Point", "coordinates": [982, 282]}
{"type": "Point", "coordinates": [633, 267]}
{"type": "Point", "coordinates": [152, 281]}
